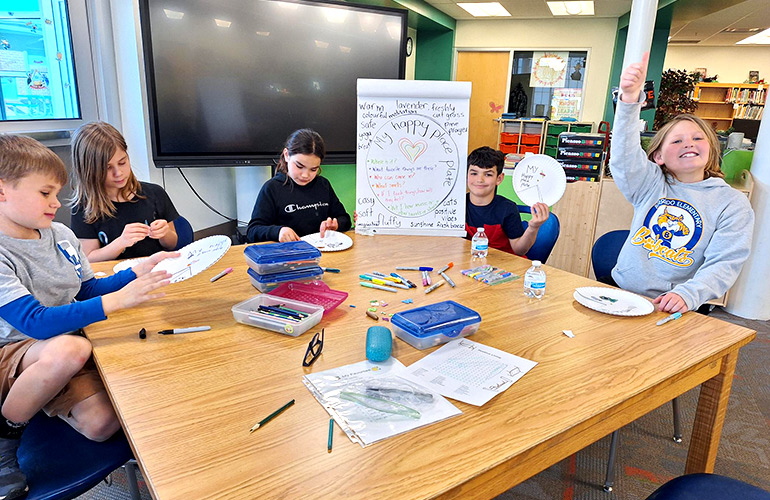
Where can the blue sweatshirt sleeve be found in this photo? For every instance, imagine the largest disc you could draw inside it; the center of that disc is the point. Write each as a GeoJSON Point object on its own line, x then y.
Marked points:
{"type": "Point", "coordinates": [98, 287]}
{"type": "Point", "coordinates": [31, 318]}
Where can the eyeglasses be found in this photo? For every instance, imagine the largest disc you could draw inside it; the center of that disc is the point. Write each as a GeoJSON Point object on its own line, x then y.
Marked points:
{"type": "Point", "coordinates": [314, 348]}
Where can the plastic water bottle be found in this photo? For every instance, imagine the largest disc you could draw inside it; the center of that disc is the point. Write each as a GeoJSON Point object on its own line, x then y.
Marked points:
{"type": "Point", "coordinates": [534, 281]}
{"type": "Point", "coordinates": [479, 244]}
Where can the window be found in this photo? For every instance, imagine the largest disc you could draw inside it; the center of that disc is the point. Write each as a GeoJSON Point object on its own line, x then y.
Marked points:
{"type": "Point", "coordinates": [40, 41]}
{"type": "Point", "coordinates": [547, 84]}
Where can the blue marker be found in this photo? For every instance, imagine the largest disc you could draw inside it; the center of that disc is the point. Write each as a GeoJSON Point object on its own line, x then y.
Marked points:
{"type": "Point", "coordinates": [669, 318]}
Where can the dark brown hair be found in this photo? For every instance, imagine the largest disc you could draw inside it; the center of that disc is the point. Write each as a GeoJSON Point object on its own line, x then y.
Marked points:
{"type": "Point", "coordinates": [302, 142]}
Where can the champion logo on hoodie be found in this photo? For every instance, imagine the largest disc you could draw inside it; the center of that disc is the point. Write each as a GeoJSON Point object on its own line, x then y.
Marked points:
{"type": "Point", "coordinates": [670, 232]}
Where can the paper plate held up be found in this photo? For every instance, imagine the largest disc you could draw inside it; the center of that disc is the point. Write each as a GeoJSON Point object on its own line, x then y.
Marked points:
{"type": "Point", "coordinates": [539, 178]}
{"type": "Point", "coordinates": [195, 257]}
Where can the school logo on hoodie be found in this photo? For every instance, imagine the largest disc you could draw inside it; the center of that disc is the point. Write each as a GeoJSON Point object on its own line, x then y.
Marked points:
{"type": "Point", "coordinates": [670, 232]}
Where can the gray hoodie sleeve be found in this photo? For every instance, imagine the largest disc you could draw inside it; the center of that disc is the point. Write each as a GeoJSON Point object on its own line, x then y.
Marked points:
{"type": "Point", "coordinates": [724, 255]}
{"type": "Point", "coordinates": [636, 176]}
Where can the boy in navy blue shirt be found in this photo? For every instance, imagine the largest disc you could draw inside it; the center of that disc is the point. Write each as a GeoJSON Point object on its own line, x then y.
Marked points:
{"type": "Point", "coordinates": [48, 290]}
{"type": "Point", "coordinates": [498, 215]}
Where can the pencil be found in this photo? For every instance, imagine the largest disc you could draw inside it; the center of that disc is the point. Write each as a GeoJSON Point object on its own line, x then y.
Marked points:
{"type": "Point", "coordinates": [331, 435]}
{"type": "Point", "coordinates": [271, 416]}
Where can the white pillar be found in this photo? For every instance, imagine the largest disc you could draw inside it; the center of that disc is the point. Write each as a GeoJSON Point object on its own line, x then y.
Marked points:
{"type": "Point", "coordinates": [641, 25]}
{"type": "Point", "coordinates": [750, 296]}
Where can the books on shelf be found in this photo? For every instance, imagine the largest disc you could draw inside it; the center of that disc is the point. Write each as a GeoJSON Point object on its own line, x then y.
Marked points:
{"type": "Point", "coordinates": [746, 96]}
{"type": "Point", "coordinates": [748, 111]}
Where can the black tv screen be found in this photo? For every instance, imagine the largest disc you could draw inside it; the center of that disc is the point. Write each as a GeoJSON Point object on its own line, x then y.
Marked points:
{"type": "Point", "coordinates": [229, 80]}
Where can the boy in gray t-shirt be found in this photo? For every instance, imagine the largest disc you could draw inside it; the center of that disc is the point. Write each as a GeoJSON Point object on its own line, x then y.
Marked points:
{"type": "Point", "coordinates": [47, 289]}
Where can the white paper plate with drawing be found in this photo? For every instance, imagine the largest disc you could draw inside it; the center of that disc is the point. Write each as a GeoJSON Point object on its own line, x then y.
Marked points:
{"type": "Point", "coordinates": [613, 301]}
{"type": "Point", "coordinates": [126, 264]}
{"type": "Point", "coordinates": [539, 178]}
{"type": "Point", "coordinates": [195, 258]}
{"type": "Point", "coordinates": [332, 241]}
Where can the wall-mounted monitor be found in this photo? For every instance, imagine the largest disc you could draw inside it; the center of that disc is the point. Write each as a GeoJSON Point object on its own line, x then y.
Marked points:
{"type": "Point", "coordinates": [229, 80]}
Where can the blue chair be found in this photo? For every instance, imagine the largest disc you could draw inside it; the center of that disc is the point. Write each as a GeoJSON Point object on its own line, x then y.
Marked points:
{"type": "Point", "coordinates": [184, 232]}
{"type": "Point", "coordinates": [546, 236]}
{"type": "Point", "coordinates": [707, 487]}
{"type": "Point", "coordinates": [604, 256]}
{"type": "Point", "coordinates": [604, 253]}
{"type": "Point", "coordinates": [60, 463]}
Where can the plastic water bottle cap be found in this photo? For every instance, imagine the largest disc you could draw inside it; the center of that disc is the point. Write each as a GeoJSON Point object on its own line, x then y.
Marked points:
{"type": "Point", "coordinates": [537, 263]}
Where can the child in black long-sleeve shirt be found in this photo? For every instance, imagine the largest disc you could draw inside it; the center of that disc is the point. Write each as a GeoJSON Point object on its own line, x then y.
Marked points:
{"type": "Point", "coordinates": [297, 201]}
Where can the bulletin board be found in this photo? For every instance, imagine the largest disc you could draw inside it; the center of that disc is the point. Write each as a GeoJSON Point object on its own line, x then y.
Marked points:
{"type": "Point", "coordinates": [411, 157]}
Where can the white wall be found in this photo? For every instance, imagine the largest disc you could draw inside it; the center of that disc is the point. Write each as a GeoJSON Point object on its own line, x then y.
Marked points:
{"type": "Point", "coordinates": [596, 35]}
{"type": "Point", "coordinates": [732, 64]}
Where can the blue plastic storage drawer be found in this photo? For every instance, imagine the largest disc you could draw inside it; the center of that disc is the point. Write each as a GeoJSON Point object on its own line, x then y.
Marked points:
{"type": "Point", "coordinates": [280, 257]}
{"type": "Point", "coordinates": [435, 324]}
{"type": "Point", "coordinates": [266, 282]}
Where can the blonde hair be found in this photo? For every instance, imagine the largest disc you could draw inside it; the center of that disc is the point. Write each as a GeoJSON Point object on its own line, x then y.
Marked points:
{"type": "Point", "coordinates": [712, 168]}
{"type": "Point", "coordinates": [21, 156]}
{"type": "Point", "coordinates": [92, 147]}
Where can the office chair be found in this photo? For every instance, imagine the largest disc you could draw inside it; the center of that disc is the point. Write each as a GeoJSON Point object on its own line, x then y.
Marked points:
{"type": "Point", "coordinates": [604, 256]}
{"type": "Point", "coordinates": [184, 232]}
{"type": "Point", "coordinates": [60, 463]}
{"type": "Point", "coordinates": [703, 486]}
{"type": "Point", "coordinates": [546, 236]}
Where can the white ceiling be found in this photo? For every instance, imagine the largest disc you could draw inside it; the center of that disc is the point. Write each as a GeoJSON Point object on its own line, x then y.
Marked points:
{"type": "Point", "coordinates": [700, 22]}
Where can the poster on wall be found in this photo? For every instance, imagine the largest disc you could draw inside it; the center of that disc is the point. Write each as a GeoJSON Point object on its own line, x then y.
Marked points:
{"type": "Point", "coordinates": [565, 103]}
{"type": "Point", "coordinates": [549, 69]}
{"type": "Point", "coordinates": [411, 152]}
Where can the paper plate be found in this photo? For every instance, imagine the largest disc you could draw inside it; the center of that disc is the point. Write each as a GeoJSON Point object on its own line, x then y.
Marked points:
{"type": "Point", "coordinates": [195, 258]}
{"type": "Point", "coordinates": [332, 241]}
{"type": "Point", "coordinates": [613, 301]}
{"type": "Point", "coordinates": [539, 178]}
{"type": "Point", "coordinates": [125, 264]}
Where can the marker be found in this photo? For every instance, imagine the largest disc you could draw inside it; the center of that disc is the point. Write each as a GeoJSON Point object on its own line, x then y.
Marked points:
{"type": "Point", "coordinates": [395, 275]}
{"type": "Point", "coordinates": [389, 283]}
{"type": "Point", "coordinates": [433, 287]}
{"type": "Point", "coordinates": [223, 273]}
{"type": "Point", "coordinates": [669, 318]}
{"type": "Point", "coordinates": [378, 287]}
{"type": "Point", "coordinates": [271, 416]}
{"type": "Point", "coordinates": [414, 269]}
{"type": "Point", "coordinates": [330, 269]}
{"type": "Point", "coordinates": [331, 435]}
{"type": "Point", "coordinates": [185, 330]}
{"type": "Point", "coordinates": [447, 279]}
{"type": "Point", "coordinates": [446, 267]}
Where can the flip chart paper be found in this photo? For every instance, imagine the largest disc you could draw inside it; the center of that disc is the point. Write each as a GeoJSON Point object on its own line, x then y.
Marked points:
{"type": "Point", "coordinates": [411, 158]}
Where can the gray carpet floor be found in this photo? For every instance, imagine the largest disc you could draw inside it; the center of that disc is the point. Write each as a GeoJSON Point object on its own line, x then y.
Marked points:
{"type": "Point", "coordinates": [647, 456]}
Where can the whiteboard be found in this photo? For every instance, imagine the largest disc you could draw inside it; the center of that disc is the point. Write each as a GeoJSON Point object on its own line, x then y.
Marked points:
{"type": "Point", "coordinates": [411, 157]}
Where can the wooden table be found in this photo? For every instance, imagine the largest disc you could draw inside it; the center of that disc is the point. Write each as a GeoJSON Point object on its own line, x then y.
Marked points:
{"type": "Point", "coordinates": [187, 401]}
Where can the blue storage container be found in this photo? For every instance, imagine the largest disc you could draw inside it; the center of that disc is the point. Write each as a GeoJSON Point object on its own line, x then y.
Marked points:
{"type": "Point", "coordinates": [280, 257]}
{"type": "Point", "coordinates": [266, 282]}
{"type": "Point", "coordinates": [435, 324]}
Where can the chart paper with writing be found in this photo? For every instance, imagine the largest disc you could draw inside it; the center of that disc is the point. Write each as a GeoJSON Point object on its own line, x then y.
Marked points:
{"type": "Point", "coordinates": [411, 158]}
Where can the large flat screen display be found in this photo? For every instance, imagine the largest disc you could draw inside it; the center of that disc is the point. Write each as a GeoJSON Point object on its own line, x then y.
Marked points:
{"type": "Point", "coordinates": [229, 80]}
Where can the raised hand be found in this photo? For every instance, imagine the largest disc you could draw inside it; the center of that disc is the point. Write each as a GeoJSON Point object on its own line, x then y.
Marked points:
{"type": "Point", "coordinates": [632, 80]}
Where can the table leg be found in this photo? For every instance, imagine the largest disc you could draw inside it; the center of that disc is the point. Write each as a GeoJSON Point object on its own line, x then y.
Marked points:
{"type": "Point", "coordinates": [710, 417]}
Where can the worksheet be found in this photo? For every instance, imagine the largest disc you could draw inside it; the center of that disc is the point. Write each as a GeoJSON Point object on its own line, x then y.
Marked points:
{"type": "Point", "coordinates": [468, 371]}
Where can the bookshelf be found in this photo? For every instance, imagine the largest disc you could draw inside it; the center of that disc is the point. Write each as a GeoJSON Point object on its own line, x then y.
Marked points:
{"type": "Point", "coordinates": [721, 103]}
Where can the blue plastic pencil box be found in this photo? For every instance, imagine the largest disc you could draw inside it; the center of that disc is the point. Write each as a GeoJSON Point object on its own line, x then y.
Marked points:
{"type": "Point", "coordinates": [266, 282]}
{"type": "Point", "coordinates": [435, 324]}
{"type": "Point", "coordinates": [273, 258]}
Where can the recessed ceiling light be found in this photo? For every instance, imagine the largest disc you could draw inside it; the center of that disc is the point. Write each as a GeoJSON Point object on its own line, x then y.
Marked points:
{"type": "Point", "coordinates": [173, 14]}
{"type": "Point", "coordinates": [485, 9]}
{"type": "Point", "coordinates": [762, 38]}
{"type": "Point", "coordinates": [572, 8]}
{"type": "Point", "coordinates": [223, 24]}
{"type": "Point", "coordinates": [321, 45]}
{"type": "Point", "coordinates": [263, 33]}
